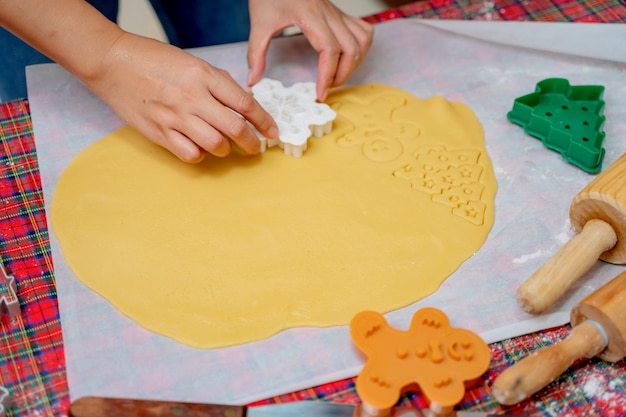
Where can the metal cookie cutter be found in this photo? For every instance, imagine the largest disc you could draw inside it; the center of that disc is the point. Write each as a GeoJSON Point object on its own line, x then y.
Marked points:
{"type": "Point", "coordinates": [6, 401]}
{"type": "Point", "coordinates": [8, 295]}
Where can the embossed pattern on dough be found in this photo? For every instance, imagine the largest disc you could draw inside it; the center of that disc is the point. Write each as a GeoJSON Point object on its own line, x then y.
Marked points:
{"type": "Point", "coordinates": [450, 176]}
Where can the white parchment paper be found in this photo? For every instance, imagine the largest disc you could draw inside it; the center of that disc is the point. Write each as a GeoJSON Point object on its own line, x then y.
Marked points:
{"type": "Point", "coordinates": [108, 354]}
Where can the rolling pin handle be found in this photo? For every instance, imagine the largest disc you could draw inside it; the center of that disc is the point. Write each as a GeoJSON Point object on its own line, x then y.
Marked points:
{"type": "Point", "coordinates": [571, 262]}
{"type": "Point", "coordinates": [534, 372]}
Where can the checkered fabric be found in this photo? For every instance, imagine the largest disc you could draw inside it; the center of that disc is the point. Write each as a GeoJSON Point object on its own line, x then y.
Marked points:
{"type": "Point", "coordinates": [605, 11]}
{"type": "Point", "coordinates": [590, 387]}
{"type": "Point", "coordinates": [32, 364]}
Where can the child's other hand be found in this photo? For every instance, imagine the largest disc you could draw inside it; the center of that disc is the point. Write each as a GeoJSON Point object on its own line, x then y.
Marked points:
{"type": "Point", "coordinates": [341, 40]}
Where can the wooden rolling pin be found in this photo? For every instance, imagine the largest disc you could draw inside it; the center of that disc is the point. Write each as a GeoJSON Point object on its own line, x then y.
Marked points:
{"type": "Point", "coordinates": [599, 329]}
{"type": "Point", "coordinates": [598, 214]}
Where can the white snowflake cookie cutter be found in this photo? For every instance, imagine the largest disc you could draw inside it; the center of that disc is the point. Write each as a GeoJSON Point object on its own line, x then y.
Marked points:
{"type": "Point", "coordinates": [297, 113]}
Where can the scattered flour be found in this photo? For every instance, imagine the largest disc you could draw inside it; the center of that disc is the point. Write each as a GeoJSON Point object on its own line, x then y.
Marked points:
{"type": "Point", "coordinates": [529, 257]}
{"type": "Point", "coordinates": [606, 397]}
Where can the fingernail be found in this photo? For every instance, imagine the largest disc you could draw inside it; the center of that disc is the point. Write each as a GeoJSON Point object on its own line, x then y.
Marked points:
{"type": "Point", "coordinates": [272, 132]}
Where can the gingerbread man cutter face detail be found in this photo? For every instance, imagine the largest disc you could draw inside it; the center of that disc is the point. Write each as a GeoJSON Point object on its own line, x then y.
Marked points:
{"type": "Point", "coordinates": [439, 359]}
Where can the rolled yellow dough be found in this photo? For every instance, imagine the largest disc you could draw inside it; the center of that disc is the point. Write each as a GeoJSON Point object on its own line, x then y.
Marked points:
{"type": "Point", "coordinates": [375, 216]}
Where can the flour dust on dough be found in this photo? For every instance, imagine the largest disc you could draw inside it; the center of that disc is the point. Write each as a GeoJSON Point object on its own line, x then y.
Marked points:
{"type": "Point", "coordinates": [374, 217]}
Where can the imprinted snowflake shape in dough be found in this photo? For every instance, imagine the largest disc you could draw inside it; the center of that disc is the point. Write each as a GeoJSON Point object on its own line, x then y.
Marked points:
{"type": "Point", "coordinates": [297, 113]}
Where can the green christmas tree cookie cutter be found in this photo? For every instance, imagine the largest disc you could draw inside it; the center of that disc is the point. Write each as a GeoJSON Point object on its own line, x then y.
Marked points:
{"type": "Point", "coordinates": [567, 119]}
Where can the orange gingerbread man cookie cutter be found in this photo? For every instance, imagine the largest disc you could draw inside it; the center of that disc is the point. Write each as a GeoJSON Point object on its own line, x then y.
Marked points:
{"type": "Point", "coordinates": [437, 358]}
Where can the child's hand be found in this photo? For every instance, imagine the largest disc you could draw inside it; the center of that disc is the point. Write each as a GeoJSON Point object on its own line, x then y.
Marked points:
{"type": "Point", "coordinates": [177, 100]}
{"type": "Point", "coordinates": [341, 40]}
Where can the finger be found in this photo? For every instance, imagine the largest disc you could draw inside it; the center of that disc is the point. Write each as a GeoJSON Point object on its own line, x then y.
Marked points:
{"type": "Point", "coordinates": [188, 138]}
{"type": "Point", "coordinates": [206, 136]}
{"type": "Point", "coordinates": [355, 45]}
{"type": "Point", "coordinates": [326, 73]}
{"type": "Point", "coordinates": [181, 146]}
{"type": "Point", "coordinates": [364, 33]}
{"type": "Point", "coordinates": [171, 139]}
{"type": "Point", "coordinates": [234, 127]}
{"type": "Point", "coordinates": [348, 59]}
{"type": "Point", "coordinates": [257, 51]}
{"type": "Point", "coordinates": [323, 40]}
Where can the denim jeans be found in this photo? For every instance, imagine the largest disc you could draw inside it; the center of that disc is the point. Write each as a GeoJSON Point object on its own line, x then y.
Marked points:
{"type": "Point", "coordinates": [187, 24]}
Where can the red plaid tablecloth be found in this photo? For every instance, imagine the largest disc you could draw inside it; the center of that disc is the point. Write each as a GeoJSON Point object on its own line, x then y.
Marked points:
{"type": "Point", "coordinates": [32, 364]}
{"type": "Point", "coordinates": [606, 11]}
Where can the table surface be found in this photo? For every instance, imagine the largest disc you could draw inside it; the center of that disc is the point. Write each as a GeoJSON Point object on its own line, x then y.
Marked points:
{"type": "Point", "coordinates": [31, 345]}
